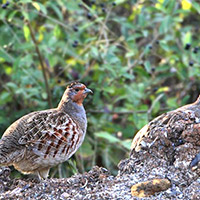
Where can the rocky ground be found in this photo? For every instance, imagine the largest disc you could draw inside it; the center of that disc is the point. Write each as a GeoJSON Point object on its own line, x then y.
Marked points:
{"type": "Point", "coordinates": [98, 184]}
{"type": "Point", "coordinates": [158, 169]}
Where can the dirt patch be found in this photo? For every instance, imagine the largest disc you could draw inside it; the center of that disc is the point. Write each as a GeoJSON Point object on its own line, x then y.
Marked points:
{"type": "Point", "coordinates": [98, 184]}
{"type": "Point", "coordinates": [158, 169]}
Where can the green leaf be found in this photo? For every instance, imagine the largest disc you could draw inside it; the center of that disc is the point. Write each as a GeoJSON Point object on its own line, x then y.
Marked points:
{"type": "Point", "coordinates": [105, 135]}
{"type": "Point", "coordinates": [6, 56]}
{"type": "Point", "coordinates": [119, 1]}
{"type": "Point", "coordinates": [24, 1]}
{"type": "Point", "coordinates": [12, 85]}
{"type": "Point", "coordinates": [26, 32]}
{"type": "Point", "coordinates": [196, 6]}
{"type": "Point", "coordinates": [172, 102]}
{"type": "Point", "coordinates": [86, 149]}
{"type": "Point", "coordinates": [130, 54]}
{"type": "Point", "coordinates": [25, 14]}
{"type": "Point", "coordinates": [147, 66]}
{"type": "Point", "coordinates": [165, 24]}
{"type": "Point", "coordinates": [187, 38]}
{"type": "Point", "coordinates": [95, 52]}
{"type": "Point", "coordinates": [57, 31]}
{"type": "Point", "coordinates": [5, 97]}
{"type": "Point", "coordinates": [58, 12]}
{"type": "Point", "coordinates": [164, 46]}
{"type": "Point", "coordinates": [8, 70]}
{"type": "Point", "coordinates": [12, 15]}
{"type": "Point", "coordinates": [36, 5]}
{"type": "Point", "coordinates": [140, 119]}
{"type": "Point", "coordinates": [126, 144]}
{"type": "Point", "coordinates": [39, 7]}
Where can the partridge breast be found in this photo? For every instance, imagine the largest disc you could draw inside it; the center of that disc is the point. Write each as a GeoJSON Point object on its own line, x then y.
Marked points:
{"type": "Point", "coordinates": [49, 138]}
{"type": "Point", "coordinates": [42, 139]}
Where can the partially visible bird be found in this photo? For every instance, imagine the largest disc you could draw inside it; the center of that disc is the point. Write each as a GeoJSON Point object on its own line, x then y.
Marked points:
{"type": "Point", "coordinates": [42, 139]}
{"type": "Point", "coordinates": [171, 130]}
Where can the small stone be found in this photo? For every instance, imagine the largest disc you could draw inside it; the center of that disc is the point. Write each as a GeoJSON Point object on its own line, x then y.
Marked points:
{"type": "Point", "coordinates": [64, 195]}
{"type": "Point", "coordinates": [149, 188]}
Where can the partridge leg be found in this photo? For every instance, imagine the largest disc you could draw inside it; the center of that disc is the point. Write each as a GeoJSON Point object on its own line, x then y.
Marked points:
{"type": "Point", "coordinates": [43, 139]}
{"type": "Point", "coordinates": [43, 173]}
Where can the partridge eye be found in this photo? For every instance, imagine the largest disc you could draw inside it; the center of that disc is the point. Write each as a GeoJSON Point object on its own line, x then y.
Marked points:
{"type": "Point", "coordinates": [77, 89]}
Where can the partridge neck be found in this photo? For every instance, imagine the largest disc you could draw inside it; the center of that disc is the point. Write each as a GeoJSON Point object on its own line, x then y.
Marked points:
{"type": "Point", "coordinates": [75, 111]}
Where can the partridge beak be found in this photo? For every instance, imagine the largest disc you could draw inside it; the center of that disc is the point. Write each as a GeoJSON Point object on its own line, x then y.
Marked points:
{"type": "Point", "coordinates": [86, 91]}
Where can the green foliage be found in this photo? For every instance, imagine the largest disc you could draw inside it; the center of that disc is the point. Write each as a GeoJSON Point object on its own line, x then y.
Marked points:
{"type": "Point", "coordinates": [132, 55]}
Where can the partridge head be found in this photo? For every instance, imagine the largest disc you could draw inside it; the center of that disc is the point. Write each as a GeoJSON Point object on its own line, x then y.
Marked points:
{"type": "Point", "coordinates": [42, 139]}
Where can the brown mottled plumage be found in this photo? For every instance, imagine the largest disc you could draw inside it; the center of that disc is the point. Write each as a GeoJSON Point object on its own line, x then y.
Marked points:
{"type": "Point", "coordinates": [171, 130]}
{"type": "Point", "coordinates": [42, 139]}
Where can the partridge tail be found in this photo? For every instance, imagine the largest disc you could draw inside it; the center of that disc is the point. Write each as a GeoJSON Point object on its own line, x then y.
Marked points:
{"type": "Point", "coordinates": [197, 102]}
{"type": "Point", "coordinates": [5, 158]}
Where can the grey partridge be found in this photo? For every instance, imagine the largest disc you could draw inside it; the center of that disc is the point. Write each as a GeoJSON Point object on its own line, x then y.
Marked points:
{"type": "Point", "coordinates": [42, 139]}
{"type": "Point", "coordinates": [171, 130]}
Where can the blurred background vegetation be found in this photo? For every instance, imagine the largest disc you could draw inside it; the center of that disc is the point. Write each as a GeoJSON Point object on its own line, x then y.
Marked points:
{"type": "Point", "coordinates": [139, 57]}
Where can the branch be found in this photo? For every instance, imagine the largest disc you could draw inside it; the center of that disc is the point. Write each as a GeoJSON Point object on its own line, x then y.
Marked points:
{"type": "Point", "coordinates": [143, 53]}
{"type": "Point", "coordinates": [41, 62]}
{"type": "Point", "coordinates": [113, 112]}
{"type": "Point", "coordinates": [124, 112]}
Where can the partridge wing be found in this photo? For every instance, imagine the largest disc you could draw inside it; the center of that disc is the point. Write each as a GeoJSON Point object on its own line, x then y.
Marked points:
{"type": "Point", "coordinates": [149, 130]}
{"type": "Point", "coordinates": [171, 124]}
{"type": "Point", "coordinates": [49, 134]}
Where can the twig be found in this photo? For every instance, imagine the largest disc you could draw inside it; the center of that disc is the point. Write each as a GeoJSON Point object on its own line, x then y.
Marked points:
{"type": "Point", "coordinates": [10, 57]}
{"type": "Point", "coordinates": [125, 112]}
{"type": "Point", "coordinates": [45, 16]}
{"type": "Point", "coordinates": [115, 112]}
{"type": "Point", "coordinates": [103, 30]}
{"type": "Point", "coordinates": [11, 30]}
{"type": "Point", "coordinates": [87, 71]}
{"type": "Point", "coordinates": [143, 53]}
{"type": "Point", "coordinates": [86, 182]}
{"type": "Point", "coordinates": [96, 17]}
{"type": "Point", "coordinates": [12, 93]}
{"type": "Point", "coordinates": [154, 103]}
{"type": "Point", "coordinates": [41, 62]}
